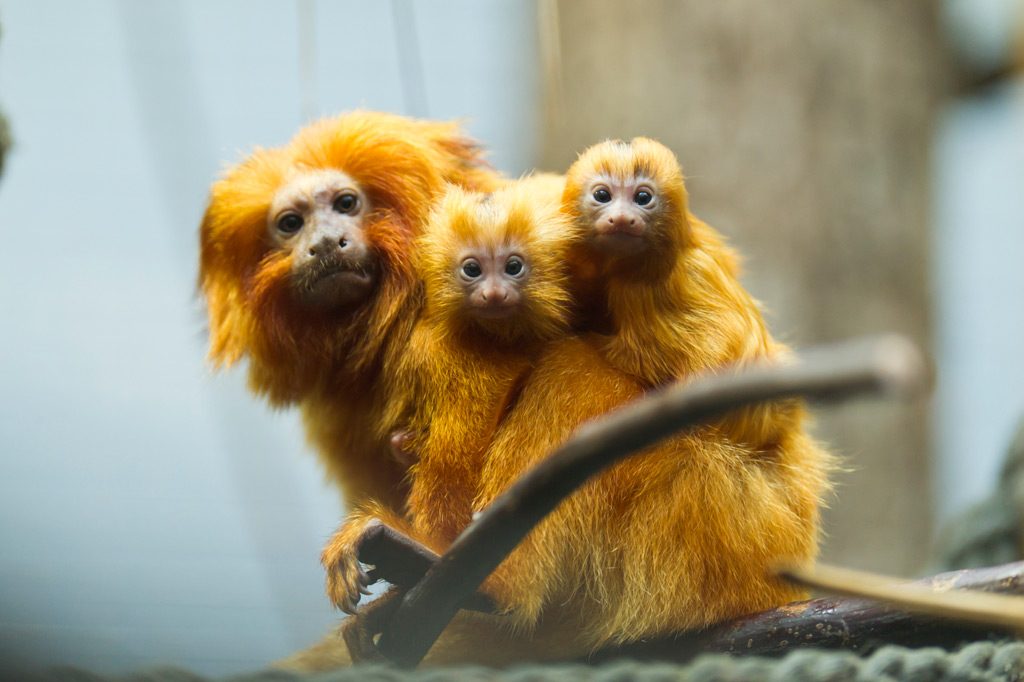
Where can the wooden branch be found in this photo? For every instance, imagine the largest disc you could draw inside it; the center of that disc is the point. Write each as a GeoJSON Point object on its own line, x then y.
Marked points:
{"type": "Point", "coordinates": [403, 562]}
{"type": "Point", "coordinates": [396, 557]}
{"type": "Point", "coordinates": [883, 365]}
{"type": "Point", "coordinates": [973, 595]}
{"type": "Point", "coordinates": [836, 622]}
{"type": "Point", "coordinates": [935, 598]}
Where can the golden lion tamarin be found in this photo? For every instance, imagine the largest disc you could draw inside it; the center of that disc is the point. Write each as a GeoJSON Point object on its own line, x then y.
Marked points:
{"type": "Point", "coordinates": [669, 281]}
{"type": "Point", "coordinates": [678, 537]}
{"type": "Point", "coordinates": [682, 535]}
{"type": "Point", "coordinates": [494, 277]}
{"type": "Point", "coordinates": [669, 292]}
{"type": "Point", "coordinates": [305, 264]}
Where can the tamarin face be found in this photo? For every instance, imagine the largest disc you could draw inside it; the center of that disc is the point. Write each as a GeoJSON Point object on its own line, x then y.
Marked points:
{"type": "Point", "coordinates": [496, 262]}
{"type": "Point", "coordinates": [492, 279]}
{"type": "Point", "coordinates": [620, 211]}
{"type": "Point", "coordinates": [319, 219]}
{"type": "Point", "coordinates": [306, 249]}
{"type": "Point", "coordinates": [627, 199]}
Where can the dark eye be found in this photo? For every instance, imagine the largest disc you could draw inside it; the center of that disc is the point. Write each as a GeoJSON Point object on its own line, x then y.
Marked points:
{"type": "Point", "coordinates": [471, 269]}
{"type": "Point", "coordinates": [643, 197]}
{"type": "Point", "coordinates": [346, 203]}
{"type": "Point", "coordinates": [602, 195]}
{"type": "Point", "coordinates": [513, 267]}
{"type": "Point", "coordinates": [289, 224]}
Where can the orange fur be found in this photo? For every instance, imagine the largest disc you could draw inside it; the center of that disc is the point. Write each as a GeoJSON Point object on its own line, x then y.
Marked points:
{"type": "Point", "coordinates": [467, 370]}
{"type": "Point", "coordinates": [675, 538]}
{"type": "Point", "coordinates": [675, 308]}
{"type": "Point", "coordinates": [328, 362]}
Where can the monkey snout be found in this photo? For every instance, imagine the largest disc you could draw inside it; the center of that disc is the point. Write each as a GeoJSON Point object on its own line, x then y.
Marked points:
{"type": "Point", "coordinates": [332, 245]}
{"type": "Point", "coordinates": [494, 296]}
{"type": "Point", "coordinates": [494, 303]}
{"type": "Point", "coordinates": [622, 223]}
{"type": "Point", "coordinates": [336, 270]}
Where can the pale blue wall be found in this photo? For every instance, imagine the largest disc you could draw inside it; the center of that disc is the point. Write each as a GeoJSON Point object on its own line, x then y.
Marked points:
{"type": "Point", "coordinates": [979, 292]}
{"type": "Point", "coordinates": [978, 262]}
{"type": "Point", "coordinates": [149, 510]}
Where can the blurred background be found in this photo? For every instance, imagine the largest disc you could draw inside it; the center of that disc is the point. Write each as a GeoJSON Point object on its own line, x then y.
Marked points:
{"type": "Point", "coordinates": [867, 159]}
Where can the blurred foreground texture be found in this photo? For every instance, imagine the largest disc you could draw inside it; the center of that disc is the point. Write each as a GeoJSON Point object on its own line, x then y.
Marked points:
{"type": "Point", "coordinates": [804, 129]}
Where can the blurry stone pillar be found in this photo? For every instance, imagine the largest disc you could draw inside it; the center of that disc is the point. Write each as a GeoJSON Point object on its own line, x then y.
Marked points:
{"type": "Point", "coordinates": [804, 130]}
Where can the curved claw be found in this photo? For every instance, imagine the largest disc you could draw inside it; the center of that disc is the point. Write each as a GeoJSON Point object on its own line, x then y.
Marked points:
{"type": "Point", "coordinates": [346, 582]}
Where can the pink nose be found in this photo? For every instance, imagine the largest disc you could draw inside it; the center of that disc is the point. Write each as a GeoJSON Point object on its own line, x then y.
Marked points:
{"type": "Point", "coordinates": [494, 294]}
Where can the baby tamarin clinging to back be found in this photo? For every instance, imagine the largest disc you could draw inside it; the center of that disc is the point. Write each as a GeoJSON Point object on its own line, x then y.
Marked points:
{"type": "Point", "coordinates": [668, 284]}
{"type": "Point", "coordinates": [494, 277]}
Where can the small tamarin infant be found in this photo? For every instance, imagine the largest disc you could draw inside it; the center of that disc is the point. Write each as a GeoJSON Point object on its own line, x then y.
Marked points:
{"type": "Point", "coordinates": [495, 294]}
{"type": "Point", "coordinates": [670, 283]}
{"type": "Point", "coordinates": [669, 299]}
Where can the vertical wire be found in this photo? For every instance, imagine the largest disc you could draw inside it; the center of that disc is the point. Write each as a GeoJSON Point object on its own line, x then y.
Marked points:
{"type": "Point", "coordinates": [307, 59]}
{"type": "Point", "coordinates": [410, 60]}
{"type": "Point", "coordinates": [551, 64]}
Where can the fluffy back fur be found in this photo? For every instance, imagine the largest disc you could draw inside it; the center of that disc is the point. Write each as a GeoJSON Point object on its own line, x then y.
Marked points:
{"type": "Point", "coordinates": [687, 533]}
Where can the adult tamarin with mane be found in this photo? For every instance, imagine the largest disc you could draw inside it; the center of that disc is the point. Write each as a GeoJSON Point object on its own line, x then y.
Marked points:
{"type": "Point", "coordinates": [305, 264]}
{"type": "Point", "coordinates": [494, 275]}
